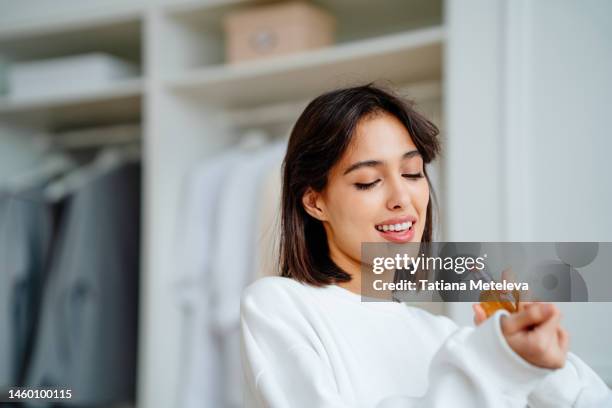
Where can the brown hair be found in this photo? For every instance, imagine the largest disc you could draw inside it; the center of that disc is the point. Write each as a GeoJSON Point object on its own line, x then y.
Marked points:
{"type": "Point", "coordinates": [318, 140]}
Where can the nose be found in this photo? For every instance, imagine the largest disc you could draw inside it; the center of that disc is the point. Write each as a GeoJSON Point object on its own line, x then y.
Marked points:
{"type": "Point", "coordinates": [398, 193]}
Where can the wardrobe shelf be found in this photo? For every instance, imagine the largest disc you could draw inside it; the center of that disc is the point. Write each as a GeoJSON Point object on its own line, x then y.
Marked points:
{"type": "Point", "coordinates": [189, 8]}
{"type": "Point", "coordinates": [118, 34]}
{"type": "Point", "coordinates": [108, 21]}
{"type": "Point", "coordinates": [117, 103]}
{"type": "Point", "coordinates": [355, 19]}
{"type": "Point", "coordinates": [401, 58]}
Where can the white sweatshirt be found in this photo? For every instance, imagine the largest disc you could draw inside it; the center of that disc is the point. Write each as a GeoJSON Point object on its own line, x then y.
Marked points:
{"type": "Point", "coordinates": [310, 347]}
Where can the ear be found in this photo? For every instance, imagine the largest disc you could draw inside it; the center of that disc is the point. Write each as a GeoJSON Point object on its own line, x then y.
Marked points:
{"type": "Point", "coordinates": [313, 204]}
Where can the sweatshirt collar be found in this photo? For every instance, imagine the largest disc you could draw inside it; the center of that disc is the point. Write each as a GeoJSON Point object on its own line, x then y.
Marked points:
{"type": "Point", "coordinates": [365, 300]}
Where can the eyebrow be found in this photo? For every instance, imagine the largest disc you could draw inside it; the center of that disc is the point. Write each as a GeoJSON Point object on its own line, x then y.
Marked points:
{"type": "Point", "coordinates": [374, 163]}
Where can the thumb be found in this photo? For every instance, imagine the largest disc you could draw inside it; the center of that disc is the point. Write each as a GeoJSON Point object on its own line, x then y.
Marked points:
{"type": "Point", "coordinates": [533, 315]}
{"type": "Point", "coordinates": [479, 314]}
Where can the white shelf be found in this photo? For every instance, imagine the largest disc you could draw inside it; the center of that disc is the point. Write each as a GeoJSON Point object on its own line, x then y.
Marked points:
{"type": "Point", "coordinates": [117, 103]}
{"type": "Point", "coordinates": [35, 27]}
{"type": "Point", "coordinates": [400, 58]}
{"type": "Point", "coordinates": [356, 19]}
{"type": "Point", "coordinates": [190, 8]}
{"type": "Point", "coordinates": [116, 34]}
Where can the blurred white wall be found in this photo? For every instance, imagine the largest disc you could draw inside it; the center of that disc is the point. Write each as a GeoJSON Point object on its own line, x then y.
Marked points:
{"type": "Point", "coordinates": [570, 192]}
{"type": "Point", "coordinates": [529, 96]}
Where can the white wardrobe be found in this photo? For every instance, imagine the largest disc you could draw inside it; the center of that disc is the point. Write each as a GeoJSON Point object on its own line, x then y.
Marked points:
{"type": "Point", "coordinates": [521, 90]}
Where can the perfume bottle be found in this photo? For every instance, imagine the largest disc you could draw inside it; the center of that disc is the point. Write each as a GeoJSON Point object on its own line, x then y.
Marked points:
{"type": "Point", "coordinates": [493, 300]}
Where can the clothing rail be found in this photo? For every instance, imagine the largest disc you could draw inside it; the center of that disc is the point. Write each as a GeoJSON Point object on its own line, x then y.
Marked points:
{"type": "Point", "coordinates": [99, 136]}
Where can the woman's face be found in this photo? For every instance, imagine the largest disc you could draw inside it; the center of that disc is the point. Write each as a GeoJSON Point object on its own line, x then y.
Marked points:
{"type": "Point", "coordinates": [377, 192]}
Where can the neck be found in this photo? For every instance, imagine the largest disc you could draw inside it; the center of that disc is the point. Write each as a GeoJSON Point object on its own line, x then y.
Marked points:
{"type": "Point", "coordinates": [348, 265]}
{"type": "Point", "coordinates": [354, 285]}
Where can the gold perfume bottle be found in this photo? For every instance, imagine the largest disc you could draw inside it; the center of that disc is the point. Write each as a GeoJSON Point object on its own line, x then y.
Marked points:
{"type": "Point", "coordinates": [493, 300]}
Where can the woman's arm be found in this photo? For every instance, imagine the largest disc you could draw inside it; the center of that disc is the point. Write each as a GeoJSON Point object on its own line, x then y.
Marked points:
{"type": "Point", "coordinates": [473, 368]}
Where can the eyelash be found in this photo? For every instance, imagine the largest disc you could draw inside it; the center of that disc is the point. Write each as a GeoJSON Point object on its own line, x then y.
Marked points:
{"type": "Point", "coordinates": [364, 186]}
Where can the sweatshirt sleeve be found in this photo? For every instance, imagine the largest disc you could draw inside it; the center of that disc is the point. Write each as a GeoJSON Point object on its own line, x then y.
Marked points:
{"type": "Point", "coordinates": [473, 367]}
{"type": "Point", "coordinates": [575, 385]}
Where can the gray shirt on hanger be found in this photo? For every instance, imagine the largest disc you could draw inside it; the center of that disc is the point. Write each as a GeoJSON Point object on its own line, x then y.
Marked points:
{"type": "Point", "coordinates": [88, 333]}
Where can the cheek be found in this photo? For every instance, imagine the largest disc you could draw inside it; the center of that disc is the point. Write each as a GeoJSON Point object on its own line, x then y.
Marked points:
{"type": "Point", "coordinates": [352, 207]}
{"type": "Point", "coordinates": [420, 202]}
{"type": "Point", "coordinates": [353, 213]}
{"type": "Point", "coordinates": [422, 197]}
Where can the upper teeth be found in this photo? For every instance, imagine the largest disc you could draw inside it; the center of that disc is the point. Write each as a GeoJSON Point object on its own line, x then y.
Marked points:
{"type": "Point", "coordinates": [394, 227]}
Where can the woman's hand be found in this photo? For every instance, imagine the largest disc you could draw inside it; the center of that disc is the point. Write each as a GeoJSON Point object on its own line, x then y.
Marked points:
{"type": "Point", "coordinates": [534, 333]}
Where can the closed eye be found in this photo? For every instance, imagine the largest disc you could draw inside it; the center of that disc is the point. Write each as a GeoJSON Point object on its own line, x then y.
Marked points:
{"type": "Point", "coordinates": [413, 176]}
{"type": "Point", "coordinates": [365, 186]}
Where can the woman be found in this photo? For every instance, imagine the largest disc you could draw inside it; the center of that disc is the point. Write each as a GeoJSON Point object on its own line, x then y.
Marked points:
{"type": "Point", "coordinates": [354, 167]}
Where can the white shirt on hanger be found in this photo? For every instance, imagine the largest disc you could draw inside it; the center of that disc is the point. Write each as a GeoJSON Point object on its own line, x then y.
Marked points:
{"type": "Point", "coordinates": [234, 259]}
{"type": "Point", "coordinates": [201, 361]}
{"type": "Point", "coordinates": [216, 251]}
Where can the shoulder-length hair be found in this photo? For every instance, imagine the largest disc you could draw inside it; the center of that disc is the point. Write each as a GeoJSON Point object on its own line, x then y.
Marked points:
{"type": "Point", "coordinates": [318, 140]}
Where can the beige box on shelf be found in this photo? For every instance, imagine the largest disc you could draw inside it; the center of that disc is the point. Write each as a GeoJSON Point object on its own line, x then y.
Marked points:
{"type": "Point", "coordinates": [277, 29]}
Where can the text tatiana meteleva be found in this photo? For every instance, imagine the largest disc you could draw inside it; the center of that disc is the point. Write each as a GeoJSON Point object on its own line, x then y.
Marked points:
{"type": "Point", "coordinates": [441, 285]}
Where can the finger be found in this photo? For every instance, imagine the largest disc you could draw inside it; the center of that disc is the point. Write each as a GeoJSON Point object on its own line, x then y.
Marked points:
{"type": "Point", "coordinates": [545, 338]}
{"type": "Point", "coordinates": [551, 325]}
{"type": "Point", "coordinates": [532, 303]}
{"type": "Point", "coordinates": [563, 339]}
{"type": "Point", "coordinates": [534, 314]}
{"type": "Point", "coordinates": [507, 275]}
{"type": "Point", "coordinates": [479, 314]}
{"type": "Point", "coordinates": [524, 305]}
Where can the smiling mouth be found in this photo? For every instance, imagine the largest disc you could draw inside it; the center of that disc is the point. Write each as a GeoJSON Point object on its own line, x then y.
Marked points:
{"type": "Point", "coordinates": [401, 227]}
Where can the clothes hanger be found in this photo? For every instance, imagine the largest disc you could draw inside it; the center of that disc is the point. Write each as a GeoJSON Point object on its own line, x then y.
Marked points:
{"type": "Point", "coordinates": [54, 163]}
{"type": "Point", "coordinates": [120, 144]}
{"type": "Point", "coordinates": [107, 160]}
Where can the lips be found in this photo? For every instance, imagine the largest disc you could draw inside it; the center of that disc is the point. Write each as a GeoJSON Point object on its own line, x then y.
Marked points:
{"type": "Point", "coordinates": [399, 229]}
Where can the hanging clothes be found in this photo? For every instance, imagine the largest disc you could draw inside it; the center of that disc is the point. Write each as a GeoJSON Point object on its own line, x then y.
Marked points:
{"type": "Point", "coordinates": [234, 262]}
{"type": "Point", "coordinates": [25, 236]}
{"type": "Point", "coordinates": [87, 336]}
{"type": "Point", "coordinates": [217, 250]}
{"type": "Point", "coordinates": [196, 245]}
{"type": "Point", "coordinates": [27, 227]}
